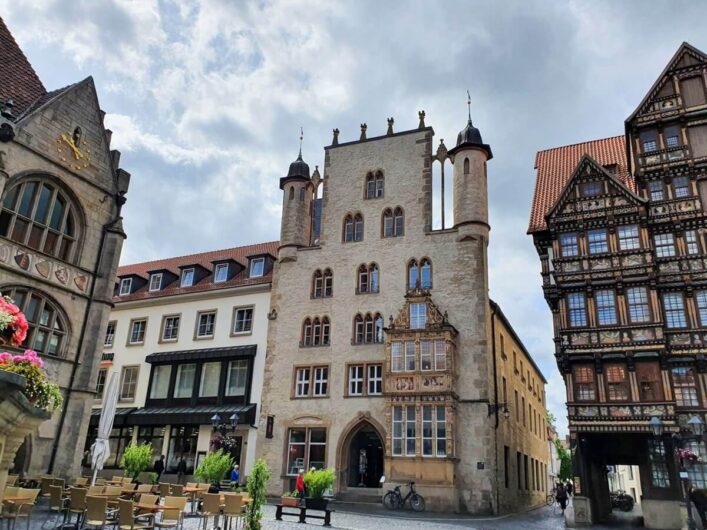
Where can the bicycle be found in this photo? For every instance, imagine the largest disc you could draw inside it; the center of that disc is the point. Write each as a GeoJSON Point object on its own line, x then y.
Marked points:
{"type": "Point", "coordinates": [550, 499]}
{"type": "Point", "coordinates": [394, 499]}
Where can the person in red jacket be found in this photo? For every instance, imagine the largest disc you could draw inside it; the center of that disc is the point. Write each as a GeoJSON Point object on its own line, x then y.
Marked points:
{"type": "Point", "coordinates": [299, 485]}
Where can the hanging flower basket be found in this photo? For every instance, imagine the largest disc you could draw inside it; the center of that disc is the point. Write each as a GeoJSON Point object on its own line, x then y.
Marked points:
{"type": "Point", "coordinates": [687, 455]}
{"type": "Point", "coordinates": [13, 324]}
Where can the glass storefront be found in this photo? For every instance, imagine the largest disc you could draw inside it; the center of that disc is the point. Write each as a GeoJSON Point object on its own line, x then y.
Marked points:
{"type": "Point", "coordinates": [153, 436]}
{"type": "Point", "coordinates": [182, 444]}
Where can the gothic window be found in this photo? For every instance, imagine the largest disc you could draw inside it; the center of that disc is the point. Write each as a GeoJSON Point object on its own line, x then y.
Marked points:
{"type": "Point", "coordinates": [426, 274]}
{"type": "Point", "coordinates": [664, 245]}
{"type": "Point", "coordinates": [568, 245]}
{"type": "Point", "coordinates": [301, 194]}
{"type": "Point", "coordinates": [48, 331]}
{"type": "Point", "coordinates": [328, 283]}
{"type": "Point", "coordinates": [368, 329]}
{"type": "Point", "coordinates": [605, 302]}
{"type": "Point", "coordinates": [36, 213]}
{"type": "Point", "coordinates": [378, 324]}
{"type": "Point", "coordinates": [358, 227]}
{"type": "Point", "coordinates": [638, 305]}
{"type": "Point", "coordinates": [348, 229]}
{"type": "Point", "coordinates": [367, 279]}
{"type": "Point", "coordinates": [325, 331]}
{"type": "Point", "coordinates": [584, 383]}
{"type": "Point", "coordinates": [466, 166]}
{"type": "Point", "coordinates": [307, 332]}
{"type": "Point", "coordinates": [576, 310]}
{"type": "Point", "coordinates": [685, 387]}
{"type": "Point", "coordinates": [617, 387]}
{"type": "Point", "coordinates": [353, 228]}
{"type": "Point", "coordinates": [358, 329]}
{"type": "Point", "coordinates": [375, 185]}
{"type": "Point", "coordinates": [598, 242]}
{"type": "Point", "coordinates": [292, 192]}
{"type": "Point", "coordinates": [322, 283]}
{"type": "Point", "coordinates": [413, 274]}
{"type": "Point", "coordinates": [628, 237]}
{"type": "Point", "coordinates": [420, 274]}
{"type": "Point", "coordinates": [674, 307]}
{"type": "Point", "coordinates": [393, 222]}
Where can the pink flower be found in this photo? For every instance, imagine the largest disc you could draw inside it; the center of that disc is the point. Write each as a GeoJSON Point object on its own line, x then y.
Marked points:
{"type": "Point", "coordinates": [5, 358]}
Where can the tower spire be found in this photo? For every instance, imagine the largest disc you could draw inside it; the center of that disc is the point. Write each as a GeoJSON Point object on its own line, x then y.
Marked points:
{"type": "Point", "coordinates": [468, 103]}
{"type": "Point", "coordinates": [301, 136]}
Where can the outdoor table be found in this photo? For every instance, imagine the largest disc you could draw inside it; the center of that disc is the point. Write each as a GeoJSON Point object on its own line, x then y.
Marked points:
{"type": "Point", "coordinates": [148, 507]}
{"type": "Point", "coordinates": [192, 496]}
{"type": "Point", "coordinates": [14, 499]}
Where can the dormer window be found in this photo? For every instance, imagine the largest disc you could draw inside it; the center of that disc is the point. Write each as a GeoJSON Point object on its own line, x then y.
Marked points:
{"type": "Point", "coordinates": [155, 281]}
{"type": "Point", "coordinates": [187, 278]}
{"type": "Point", "coordinates": [257, 267]}
{"type": "Point", "coordinates": [221, 273]}
{"type": "Point", "coordinates": [125, 286]}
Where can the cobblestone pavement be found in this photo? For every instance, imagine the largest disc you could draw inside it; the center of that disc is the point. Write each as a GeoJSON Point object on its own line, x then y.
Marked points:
{"type": "Point", "coordinates": [370, 517]}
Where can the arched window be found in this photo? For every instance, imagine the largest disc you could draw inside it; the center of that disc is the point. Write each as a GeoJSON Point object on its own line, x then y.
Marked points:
{"type": "Point", "coordinates": [292, 192]}
{"type": "Point", "coordinates": [388, 230]}
{"type": "Point", "coordinates": [425, 274]}
{"type": "Point", "coordinates": [348, 231]}
{"type": "Point", "coordinates": [38, 214]}
{"type": "Point", "coordinates": [328, 283]}
{"type": "Point", "coordinates": [307, 332]}
{"type": "Point", "coordinates": [368, 324]}
{"type": "Point", "coordinates": [317, 284]}
{"type": "Point", "coordinates": [373, 278]}
{"type": "Point", "coordinates": [413, 274]}
{"type": "Point", "coordinates": [362, 279]}
{"type": "Point", "coordinates": [316, 332]}
{"type": "Point", "coordinates": [399, 222]}
{"type": "Point", "coordinates": [466, 166]}
{"type": "Point", "coordinates": [325, 331]}
{"type": "Point", "coordinates": [375, 185]}
{"type": "Point", "coordinates": [48, 332]}
{"type": "Point", "coordinates": [378, 323]}
{"type": "Point", "coordinates": [358, 330]}
{"type": "Point", "coordinates": [301, 194]}
{"type": "Point", "coordinates": [367, 279]}
{"type": "Point", "coordinates": [358, 227]}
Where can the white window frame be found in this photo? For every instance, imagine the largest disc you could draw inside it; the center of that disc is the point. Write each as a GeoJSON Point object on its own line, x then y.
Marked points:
{"type": "Point", "coordinates": [203, 378]}
{"type": "Point", "coordinates": [397, 360]}
{"type": "Point", "coordinates": [302, 381]}
{"type": "Point", "coordinates": [126, 285]}
{"type": "Point", "coordinates": [199, 316]}
{"type": "Point", "coordinates": [418, 316]}
{"type": "Point", "coordinates": [185, 275]}
{"type": "Point", "coordinates": [236, 311]}
{"type": "Point", "coordinates": [410, 432]}
{"type": "Point", "coordinates": [132, 383]}
{"type": "Point", "coordinates": [179, 376]}
{"type": "Point", "coordinates": [356, 379]}
{"type": "Point", "coordinates": [109, 339]}
{"type": "Point", "coordinates": [254, 263]}
{"type": "Point", "coordinates": [132, 331]}
{"type": "Point", "coordinates": [374, 373]}
{"type": "Point", "coordinates": [217, 269]}
{"type": "Point", "coordinates": [320, 377]}
{"type": "Point", "coordinates": [410, 362]}
{"type": "Point", "coordinates": [165, 319]}
{"type": "Point", "coordinates": [156, 276]}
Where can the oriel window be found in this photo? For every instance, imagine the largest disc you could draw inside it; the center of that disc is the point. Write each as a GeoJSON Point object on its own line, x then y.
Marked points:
{"type": "Point", "coordinates": [638, 305]}
{"type": "Point", "coordinates": [664, 245]}
{"type": "Point", "coordinates": [681, 187]}
{"type": "Point", "coordinates": [701, 300]}
{"type": "Point", "coordinates": [674, 307]}
{"type": "Point", "coordinates": [606, 307]}
{"type": "Point", "coordinates": [568, 245]}
{"type": "Point", "coordinates": [576, 310]}
{"type": "Point", "coordinates": [628, 237]}
{"type": "Point", "coordinates": [597, 241]}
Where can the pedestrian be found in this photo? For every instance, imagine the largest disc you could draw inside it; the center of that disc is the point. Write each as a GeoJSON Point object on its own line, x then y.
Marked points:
{"type": "Point", "coordinates": [561, 496]}
{"type": "Point", "coordinates": [299, 485]}
{"type": "Point", "coordinates": [235, 476]}
{"type": "Point", "coordinates": [569, 488]}
{"type": "Point", "coordinates": [699, 499]}
{"type": "Point", "coordinates": [159, 467]}
{"type": "Point", "coordinates": [181, 470]}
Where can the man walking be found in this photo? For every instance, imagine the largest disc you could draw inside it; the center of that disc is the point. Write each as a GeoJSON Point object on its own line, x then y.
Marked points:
{"type": "Point", "coordinates": [561, 496]}
{"type": "Point", "coordinates": [159, 467]}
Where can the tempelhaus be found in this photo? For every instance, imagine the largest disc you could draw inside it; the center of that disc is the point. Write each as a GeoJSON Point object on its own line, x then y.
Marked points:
{"type": "Point", "coordinates": [619, 224]}
{"type": "Point", "coordinates": [385, 355]}
{"type": "Point", "coordinates": [61, 192]}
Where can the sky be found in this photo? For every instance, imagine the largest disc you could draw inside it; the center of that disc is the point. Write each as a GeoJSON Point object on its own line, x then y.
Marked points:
{"type": "Point", "coordinates": [206, 99]}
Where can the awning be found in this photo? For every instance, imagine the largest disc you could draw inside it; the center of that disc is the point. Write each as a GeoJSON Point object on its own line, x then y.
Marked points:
{"type": "Point", "coordinates": [200, 415]}
{"type": "Point", "coordinates": [230, 352]}
{"type": "Point", "coordinates": [118, 419]}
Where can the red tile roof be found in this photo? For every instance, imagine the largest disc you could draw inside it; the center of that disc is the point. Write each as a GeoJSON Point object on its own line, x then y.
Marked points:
{"type": "Point", "coordinates": [238, 254]}
{"type": "Point", "coordinates": [19, 81]}
{"type": "Point", "coordinates": [555, 167]}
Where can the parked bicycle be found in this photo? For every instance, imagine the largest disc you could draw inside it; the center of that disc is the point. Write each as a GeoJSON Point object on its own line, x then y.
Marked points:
{"type": "Point", "coordinates": [394, 500]}
{"type": "Point", "coordinates": [550, 499]}
{"type": "Point", "coordinates": [622, 501]}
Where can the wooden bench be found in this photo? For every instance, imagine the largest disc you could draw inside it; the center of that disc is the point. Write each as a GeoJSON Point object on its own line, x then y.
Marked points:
{"type": "Point", "coordinates": [301, 514]}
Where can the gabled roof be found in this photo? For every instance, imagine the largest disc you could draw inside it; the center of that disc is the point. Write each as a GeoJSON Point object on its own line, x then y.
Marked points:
{"type": "Point", "coordinates": [205, 259]}
{"type": "Point", "coordinates": [555, 167]}
{"type": "Point", "coordinates": [18, 80]}
{"type": "Point", "coordinates": [685, 48]}
{"type": "Point", "coordinates": [585, 162]}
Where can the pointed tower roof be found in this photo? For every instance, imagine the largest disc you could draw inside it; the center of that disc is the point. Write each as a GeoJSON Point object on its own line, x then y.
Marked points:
{"type": "Point", "coordinates": [470, 136]}
{"type": "Point", "coordinates": [18, 80]}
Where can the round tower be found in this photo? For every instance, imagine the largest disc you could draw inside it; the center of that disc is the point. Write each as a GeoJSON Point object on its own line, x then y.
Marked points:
{"type": "Point", "coordinates": [470, 189]}
{"type": "Point", "coordinates": [296, 206]}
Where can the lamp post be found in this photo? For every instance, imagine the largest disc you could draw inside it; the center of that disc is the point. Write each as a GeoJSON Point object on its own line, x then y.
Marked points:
{"type": "Point", "coordinates": [223, 428]}
{"type": "Point", "coordinates": [697, 428]}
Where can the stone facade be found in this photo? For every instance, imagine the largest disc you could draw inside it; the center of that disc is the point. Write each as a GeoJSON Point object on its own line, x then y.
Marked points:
{"type": "Point", "coordinates": [58, 145]}
{"type": "Point", "coordinates": [338, 390]}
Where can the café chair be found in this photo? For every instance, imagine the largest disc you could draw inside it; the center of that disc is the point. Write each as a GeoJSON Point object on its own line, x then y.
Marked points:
{"type": "Point", "coordinates": [210, 507]}
{"type": "Point", "coordinates": [77, 503]}
{"type": "Point", "coordinates": [58, 503]}
{"type": "Point", "coordinates": [165, 489]}
{"type": "Point", "coordinates": [21, 508]}
{"type": "Point", "coordinates": [127, 520]}
{"type": "Point", "coordinates": [233, 509]}
{"type": "Point", "coordinates": [172, 513]}
{"type": "Point", "coordinates": [12, 480]}
{"type": "Point", "coordinates": [97, 513]}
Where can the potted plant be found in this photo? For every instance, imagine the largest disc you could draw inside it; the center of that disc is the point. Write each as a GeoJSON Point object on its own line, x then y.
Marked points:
{"type": "Point", "coordinates": [213, 469]}
{"type": "Point", "coordinates": [290, 498]}
{"type": "Point", "coordinates": [136, 459]}
{"type": "Point", "coordinates": [318, 482]}
{"type": "Point", "coordinates": [38, 390]}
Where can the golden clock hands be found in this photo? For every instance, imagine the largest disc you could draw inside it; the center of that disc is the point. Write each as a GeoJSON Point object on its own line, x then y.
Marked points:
{"type": "Point", "coordinates": [70, 142]}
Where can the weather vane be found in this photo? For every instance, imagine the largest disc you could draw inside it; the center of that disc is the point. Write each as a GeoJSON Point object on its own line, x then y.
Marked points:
{"type": "Point", "coordinates": [468, 102]}
{"type": "Point", "coordinates": [301, 136]}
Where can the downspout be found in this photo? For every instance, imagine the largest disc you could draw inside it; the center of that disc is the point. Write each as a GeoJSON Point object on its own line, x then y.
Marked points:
{"type": "Point", "coordinates": [120, 200]}
{"type": "Point", "coordinates": [495, 401]}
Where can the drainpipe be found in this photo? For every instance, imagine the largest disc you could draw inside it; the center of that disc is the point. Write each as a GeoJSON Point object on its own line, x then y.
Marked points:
{"type": "Point", "coordinates": [495, 399]}
{"type": "Point", "coordinates": [119, 200]}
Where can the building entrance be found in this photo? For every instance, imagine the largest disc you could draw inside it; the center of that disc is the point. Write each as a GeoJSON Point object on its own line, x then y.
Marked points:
{"type": "Point", "coordinates": [365, 458]}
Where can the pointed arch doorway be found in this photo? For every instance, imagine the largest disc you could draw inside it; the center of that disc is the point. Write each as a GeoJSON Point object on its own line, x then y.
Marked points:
{"type": "Point", "coordinates": [362, 456]}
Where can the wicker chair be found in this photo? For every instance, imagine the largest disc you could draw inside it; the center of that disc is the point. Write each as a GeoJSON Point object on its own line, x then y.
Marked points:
{"type": "Point", "coordinates": [210, 507]}
{"type": "Point", "coordinates": [21, 508]}
{"type": "Point", "coordinates": [58, 503]}
{"type": "Point", "coordinates": [172, 513]}
{"type": "Point", "coordinates": [127, 520]}
{"type": "Point", "coordinates": [165, 489]}
{"type": "Point", "coordinates": [95, 490]}
{"type": "Point", "coordinates": [177, 490]}
{"type": "Point", "coordinates": [97, 513]}
{"type": "Point", "coordinates": [233, 509]}
{"type": "Point", "coordinates": [12, 480]}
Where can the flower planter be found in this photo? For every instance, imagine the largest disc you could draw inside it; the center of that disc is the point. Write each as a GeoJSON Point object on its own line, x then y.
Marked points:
{"type": "Point", "coordinates": [316, 504]}
{"type": "Point", "coordinates": [289, 501]}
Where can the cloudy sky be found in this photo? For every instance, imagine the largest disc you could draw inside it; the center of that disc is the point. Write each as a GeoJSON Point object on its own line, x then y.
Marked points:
{"type": "Point", "coordinates": [206, 98]}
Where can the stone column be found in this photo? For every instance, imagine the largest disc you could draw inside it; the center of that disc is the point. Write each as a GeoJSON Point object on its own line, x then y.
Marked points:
{"type": "Point", "coordinates": [18, 417]}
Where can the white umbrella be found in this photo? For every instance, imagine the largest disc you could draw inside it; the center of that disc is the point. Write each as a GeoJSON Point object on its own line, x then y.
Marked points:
{"type": "Point", "coordinates": [100, 448]}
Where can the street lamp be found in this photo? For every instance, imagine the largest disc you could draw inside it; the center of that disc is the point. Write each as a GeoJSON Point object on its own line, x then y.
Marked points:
{"type": "Point", "coordinates": [697, 426]}
{"type": "Point", "coordinates": [222, 427]}
{"type": "Point", "coordinates": [657, 426]}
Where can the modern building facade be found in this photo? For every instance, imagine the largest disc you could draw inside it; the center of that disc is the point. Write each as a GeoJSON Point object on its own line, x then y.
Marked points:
{"type": "Point", "coordinates": [386, 357]}
{"type": "Point", "coordinates": [619, 226]}
{"type": "Point", "coordinates": [186, 338]}
{"type": "Point", "coordinates": [61, 233]}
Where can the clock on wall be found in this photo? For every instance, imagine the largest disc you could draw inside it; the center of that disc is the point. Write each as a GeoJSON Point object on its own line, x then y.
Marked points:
{"type": "Point", "coordinates": [72, 152]}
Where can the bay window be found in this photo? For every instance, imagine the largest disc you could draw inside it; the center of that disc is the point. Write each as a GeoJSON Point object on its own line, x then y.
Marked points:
{"type": "Point", "coordinates": [184, 385]}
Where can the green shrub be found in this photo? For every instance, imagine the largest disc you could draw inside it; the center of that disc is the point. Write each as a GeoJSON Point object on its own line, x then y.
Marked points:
{"type": "Point", "coordinates": [318, 482]}
{"type": "Point", "coordinates": [136, 459]}
{"type": "Point", "coordinates": [257, 480]}
{"type": "Point", "coordinates": [214, 467]}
